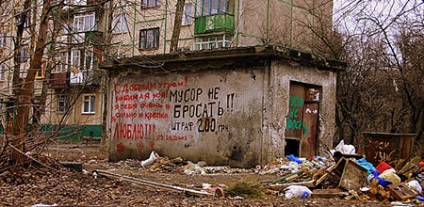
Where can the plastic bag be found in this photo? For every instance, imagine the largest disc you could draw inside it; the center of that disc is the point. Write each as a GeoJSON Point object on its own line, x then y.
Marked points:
{"type": "Point", "coordinates": [297, 191]}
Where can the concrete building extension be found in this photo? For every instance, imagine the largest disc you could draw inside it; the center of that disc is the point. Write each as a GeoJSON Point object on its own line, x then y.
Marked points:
{"type": "Point", "coordinates": [249, 81]}
{"type": "Point", "coordinates": [239, 107]}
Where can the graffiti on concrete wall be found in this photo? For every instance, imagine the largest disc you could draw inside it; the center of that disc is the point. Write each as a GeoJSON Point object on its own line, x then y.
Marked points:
{"type": "Point", "coordinates": [294, 122]}
{"type": "Point", "coordinates": [167, 111]}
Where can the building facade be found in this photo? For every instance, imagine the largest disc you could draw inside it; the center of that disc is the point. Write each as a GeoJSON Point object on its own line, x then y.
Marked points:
{"type": "Point", "coordinates": [69, 83]}
{"type": "Point", "coordinates": [146, 27]}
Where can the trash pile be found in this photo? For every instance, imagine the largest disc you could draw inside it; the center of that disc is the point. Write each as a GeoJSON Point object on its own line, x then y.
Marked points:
{"type": "Point", "coordinates": [156, 163]}
{"type": "Point", "coordinates": [348, 176]}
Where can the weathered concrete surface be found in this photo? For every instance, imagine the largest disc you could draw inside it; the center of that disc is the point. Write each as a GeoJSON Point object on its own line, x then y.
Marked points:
{"type": "Point", "coordinates": [226, 111]}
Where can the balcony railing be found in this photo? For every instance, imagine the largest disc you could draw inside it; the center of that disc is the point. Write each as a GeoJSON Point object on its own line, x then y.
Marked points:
{"type": "Point", "coordinates": [58, 80]}
{"type": "Point", "coordinates": [85, 78]}
{"type": "Point", "coordinates": [223, 22]}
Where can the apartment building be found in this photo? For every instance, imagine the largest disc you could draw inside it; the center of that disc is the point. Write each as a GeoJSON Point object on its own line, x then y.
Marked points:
{"type": "Point", "coordinates": [146, 27]}
{"type": "Point", "coordinates": [68, 82]}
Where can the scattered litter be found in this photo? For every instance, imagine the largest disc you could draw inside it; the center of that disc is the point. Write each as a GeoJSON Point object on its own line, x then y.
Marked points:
{"type": "Point", "coordinates": [415, 185]}
{"type": "Point", "coordinates": [43, 205]}
{"type": "Point", "coordinates": [153, 156]}
{"type": "Point", "coordinates": [297, 191]}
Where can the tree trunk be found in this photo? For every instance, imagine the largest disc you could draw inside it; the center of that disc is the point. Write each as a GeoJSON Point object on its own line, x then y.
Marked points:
{"type": "Point", "coordinates": [22, 20]}
{"type": "Point", "coordinates": [49, 67]}
{"type": "Point", "coordinates": [177, 25]}
{"type": "Point", "coordinates": [25, 95]}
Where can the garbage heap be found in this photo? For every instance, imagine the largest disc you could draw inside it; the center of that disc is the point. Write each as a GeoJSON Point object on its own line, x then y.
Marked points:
{"type": "Point", "coordinates": [347, 175]}
{"type": "Point", "coordinates": [344, 175]}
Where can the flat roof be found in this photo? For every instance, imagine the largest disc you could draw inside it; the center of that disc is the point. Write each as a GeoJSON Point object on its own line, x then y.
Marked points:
{"type": "Point", "coordinates": [252, 53]}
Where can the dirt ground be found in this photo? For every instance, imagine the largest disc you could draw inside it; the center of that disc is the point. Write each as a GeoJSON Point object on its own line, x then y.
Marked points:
{"type": "Point", "coordinates": [40, 185]}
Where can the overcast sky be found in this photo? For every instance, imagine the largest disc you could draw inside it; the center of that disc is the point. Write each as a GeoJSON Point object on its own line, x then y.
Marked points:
{"type": "Point", "coordinates": [352, 12]}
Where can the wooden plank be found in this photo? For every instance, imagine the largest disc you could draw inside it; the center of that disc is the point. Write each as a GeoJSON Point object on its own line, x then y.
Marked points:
{"type": "Point", "coordinates": [402, 192]}
{"type": "Point", "coordinates": [151, 183]}
{"type": "Point", "coordinates": [326, 193]}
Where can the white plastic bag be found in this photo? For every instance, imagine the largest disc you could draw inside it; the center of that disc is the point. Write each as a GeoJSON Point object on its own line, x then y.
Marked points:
{"type": "Point", "coordinates": [297, 191]}
{"type": "Point", "coordinates": [415, 185]}
{"type": "Point", "coordinates": [344, 149]}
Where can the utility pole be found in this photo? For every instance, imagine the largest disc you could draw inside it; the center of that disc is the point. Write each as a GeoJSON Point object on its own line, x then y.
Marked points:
{"type": "Point", "coordinates": [179, 12]}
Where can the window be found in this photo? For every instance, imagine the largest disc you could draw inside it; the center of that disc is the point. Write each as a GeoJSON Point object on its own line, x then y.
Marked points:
{"type": "Point", "coordinates": [88, 105]}
{"type": "Point", "coordinates": [120, 24]}
{"type": "Point", "coordinates": [76, 58]}
{"type": "Point", "coordinates": [24, 53]}
{"type": "Point", "coordinates": [76, 73]}
{"type": "Point", "coordinates": [84, 22]}
{"type": "Point", "coordinates": [62, 104]}
{"type": "Point", "coordinates": [81, 73]}
{"type": "Point", "coordinates": [40, 72]}
{"type": "Point", "coordinates": [150, 3]}
{"type": "Point", "coordinates": [2, 72]}
{"type": "Point", "coordinates": [3, 40]}
{"type": "Point", "coordinates": [149, 38]}
{"type": "Point", "coordinates": [4, 8]}
{"type": "Point", "coordinates": [75, 2]}
{"type": "Point", "coordinates": [36, 106]}
{"type": "Point", "coordinates": [212, 42]}
{"type": "Point", "coordinates": [61, 62]}
{"type": "Point", "coordinates": [210, 7]}
{"type": "Point", "coordinates": [188, 15]}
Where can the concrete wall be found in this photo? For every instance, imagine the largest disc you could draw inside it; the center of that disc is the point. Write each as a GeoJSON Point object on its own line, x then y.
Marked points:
{"type": "Point", "coordinates": [233, 116]}
{"type": "Point", "coordinates": [278, 104]}
{"type": "Point", "coordinates": [211, 115]}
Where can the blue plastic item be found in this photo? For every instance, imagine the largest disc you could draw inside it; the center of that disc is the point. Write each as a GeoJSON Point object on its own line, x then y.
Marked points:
{"type": "Point", "coordinates": [305, 195]}
{"type": "Point", "coordinates": [294, 159]}
{"type": "Point", "coordinates": [381, 181]}
{"type": "Point", "coordinates": [367, 165]}
{"type": "Point", "coordinates": [421, 198]}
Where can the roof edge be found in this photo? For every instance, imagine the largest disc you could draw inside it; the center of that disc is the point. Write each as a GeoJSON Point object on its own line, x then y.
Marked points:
{"type": "Point", "coordinates": [268, 51]}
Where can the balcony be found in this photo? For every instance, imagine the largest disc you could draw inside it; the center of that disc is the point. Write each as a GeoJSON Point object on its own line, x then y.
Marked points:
{"type": "Point", "coordinates": [88, 37]}
{"type": "Point", "coordinates": [58, 80]}
{"type": "Point", "coordinates": [223, 22]}
{"type": "Point", "coordinates": [85, 78]}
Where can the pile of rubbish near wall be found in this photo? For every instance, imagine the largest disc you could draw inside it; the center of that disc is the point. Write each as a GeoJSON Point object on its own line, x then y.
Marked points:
{"type": "Point", "coordinates": [345, 175]}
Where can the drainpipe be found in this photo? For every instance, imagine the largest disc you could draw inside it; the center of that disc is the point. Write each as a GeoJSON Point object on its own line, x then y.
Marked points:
{"type": "Point", "coordinates": [291, 25]}
{"type": "Point", "coordinates": [237, 16]}
{"type": "Point", "coordinates": [135, 22]}
{"type": "Point", "coordinates": [267, 22]}
{"type": "Point", "coordinates": [165, 30]}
